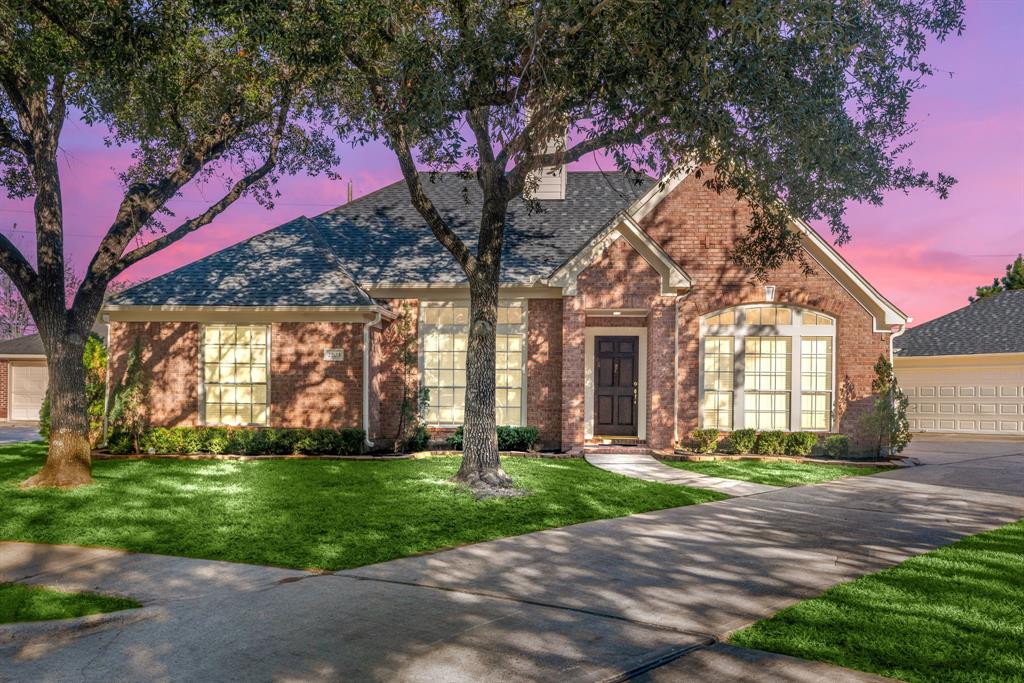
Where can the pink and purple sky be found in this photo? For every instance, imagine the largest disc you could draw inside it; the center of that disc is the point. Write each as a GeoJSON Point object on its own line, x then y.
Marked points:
{"type": "Point", "coordinates": [925, 254]}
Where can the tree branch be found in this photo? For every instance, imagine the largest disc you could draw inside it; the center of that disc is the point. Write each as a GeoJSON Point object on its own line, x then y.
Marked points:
{"type": "Point", "coordinates": [17, 268]}
{"type": "Point", "coordinates": [399, 142]}
{"type": "Point", "coordinates": [236, 191]}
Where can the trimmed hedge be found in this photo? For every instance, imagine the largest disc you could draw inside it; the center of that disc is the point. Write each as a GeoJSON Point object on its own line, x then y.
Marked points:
{"type": "Point", "coordinates": [837, 446]}
{"type": "Point", "coordinates": [800, 443]}
{"type": "Point", "coordinates": [509, 438]}
{"type": "Point", "coordinates": [704, 440]}
{"type": "Point", "coordinates": [742, 441]}
{"type": "Point", "coordinates": [770, 443]}
{"type": "Point", "coordinates": [244, 441]}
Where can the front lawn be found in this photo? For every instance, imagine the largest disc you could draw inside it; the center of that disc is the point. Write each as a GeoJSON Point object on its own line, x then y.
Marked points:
{"type": "Point", "coordinates": [303, 513]}
{"type": "Point", "coordinates": [954, 614]}
{"type": "Point", "coordinates": [19, 602]}
{"type": "Point", "coordinates": [778, 473]}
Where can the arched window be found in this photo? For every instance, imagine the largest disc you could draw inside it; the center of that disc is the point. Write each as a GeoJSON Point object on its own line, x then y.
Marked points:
{"type": "Point", "coordinates": [767, 366]}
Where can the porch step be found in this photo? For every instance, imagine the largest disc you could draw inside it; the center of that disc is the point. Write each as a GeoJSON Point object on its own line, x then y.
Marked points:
{"type": "Point", "coordinates": [615, 449]}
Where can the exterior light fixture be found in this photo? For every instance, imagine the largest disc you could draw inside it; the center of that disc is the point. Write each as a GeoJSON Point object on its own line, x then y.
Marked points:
{"type": "Point", "coordinates": [769, 292]}
{"type": "Point", "coordinates": [616, 312]}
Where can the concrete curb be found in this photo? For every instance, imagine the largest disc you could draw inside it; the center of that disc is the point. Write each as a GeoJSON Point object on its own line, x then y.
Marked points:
{"type": "Point", "coordinates": [725, 457]}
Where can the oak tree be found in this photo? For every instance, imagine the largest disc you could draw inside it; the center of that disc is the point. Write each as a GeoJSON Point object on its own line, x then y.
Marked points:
{"type": "Point", "coordinates": [201, 93]}
{"type": "Point", "coordinates": [796, 107]}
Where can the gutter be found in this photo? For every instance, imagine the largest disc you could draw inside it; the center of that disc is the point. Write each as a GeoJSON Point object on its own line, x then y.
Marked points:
{"type": "Point", "coordinates": [366, 377]}
{"type": "Point", "coordinates": [892, 338]}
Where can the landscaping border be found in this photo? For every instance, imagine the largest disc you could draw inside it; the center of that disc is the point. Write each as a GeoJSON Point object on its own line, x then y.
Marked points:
{"type": "Point", "coordinates": [421, 455]}
{"type": "Point", "coordinates": [710, 457]}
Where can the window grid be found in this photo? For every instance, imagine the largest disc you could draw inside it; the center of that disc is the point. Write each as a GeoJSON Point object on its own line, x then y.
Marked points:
{"type": "Point", "coordinates": [816, 383]}
{"type": "Point", "coordinates": [719, 377]}
{"type": "Point", "coordinates": [235, 374]}
{"type": "Point", "coordinates": [444, 333]}
{"type": "Point", "coordinates": [768, 315]}
{"type": "Point", "coordinates": [767, 391]}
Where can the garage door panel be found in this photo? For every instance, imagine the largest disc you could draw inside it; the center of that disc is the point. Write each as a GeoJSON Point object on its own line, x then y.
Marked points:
{"type": "Point", "coordinates": [965, 399]}
{"type": "Point", "coordinates": [28, 387]}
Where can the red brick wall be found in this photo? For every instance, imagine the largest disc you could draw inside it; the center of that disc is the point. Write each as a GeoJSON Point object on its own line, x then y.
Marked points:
{"type": "Point", "coordinates": [170, 355]}
{"type": "Point", "coordinates": [387, 379]}
{"type": "Point", "coordinates": [697, 228]}
{"type": "Point", "coordinates": [306, 390]}
{"type": "Point", "coordinates": [544, 370]}
{"type": "Point", "coordinates": [4, 388]}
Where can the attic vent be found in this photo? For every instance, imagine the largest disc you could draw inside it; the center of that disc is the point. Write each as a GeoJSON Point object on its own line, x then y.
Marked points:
{"type": "Point", "coordinates": [550, 179]}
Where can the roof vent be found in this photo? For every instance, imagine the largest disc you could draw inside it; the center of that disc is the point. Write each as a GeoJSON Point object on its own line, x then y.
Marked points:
{"type": "Point", "coordinates": [550, 180]}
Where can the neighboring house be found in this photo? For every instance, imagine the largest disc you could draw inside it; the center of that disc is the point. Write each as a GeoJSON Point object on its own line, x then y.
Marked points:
{"type": "Point", "coordinates": [964, 372]}
{"type": "Point", "coordinates": [622, 317]}
{"type": "Point", "coordinates": [24, 377]}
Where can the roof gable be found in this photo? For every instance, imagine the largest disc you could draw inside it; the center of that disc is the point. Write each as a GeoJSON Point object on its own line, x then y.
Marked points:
{"type": "Point", "coordinates": [673, 277]}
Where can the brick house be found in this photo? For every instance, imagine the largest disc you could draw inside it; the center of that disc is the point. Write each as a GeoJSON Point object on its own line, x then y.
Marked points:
{"type": "Point", "coordinates": [621, 317]}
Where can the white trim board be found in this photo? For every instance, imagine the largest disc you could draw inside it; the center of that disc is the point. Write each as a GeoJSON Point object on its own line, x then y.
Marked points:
{"type": "Point", "coordinates": [589, 334]}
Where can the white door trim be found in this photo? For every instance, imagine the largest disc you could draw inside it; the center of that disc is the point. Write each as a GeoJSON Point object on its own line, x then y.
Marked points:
{"type": "Point", "coordinates": [589, 334]}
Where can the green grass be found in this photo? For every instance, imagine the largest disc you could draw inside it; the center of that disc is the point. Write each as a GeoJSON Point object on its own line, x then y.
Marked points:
{"type": "Point", "coordinates": [322, 514]}
{"type": "Point", "coordinates": [781, 473]}
{"type": "Point", "coordinates": [954, 614]}
{"type": "Point", "coordinates": [19, 602]}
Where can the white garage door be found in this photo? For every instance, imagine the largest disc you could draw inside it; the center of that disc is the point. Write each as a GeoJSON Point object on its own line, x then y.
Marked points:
{"type": "Point", "coordinates": [28, 386]}
{"type": "Point", "coordinates": [969, 400]}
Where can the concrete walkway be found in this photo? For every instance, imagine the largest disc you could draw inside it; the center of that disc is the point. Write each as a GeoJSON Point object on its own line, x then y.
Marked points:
{"type": "Point", "coordinates": [651, 469]}
{"type": "Point", "coordinates": [595, 601]}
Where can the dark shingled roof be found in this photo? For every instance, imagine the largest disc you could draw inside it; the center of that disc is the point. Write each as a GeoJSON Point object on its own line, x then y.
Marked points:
{"type": "Point", "coordinates": [381, 239]}
{"type": "Point", "coordinates": [32, 344]}
{"type": "Point", "coordinates": [994, 324]}
{"type": "Point", "coordinates": [289, 265]}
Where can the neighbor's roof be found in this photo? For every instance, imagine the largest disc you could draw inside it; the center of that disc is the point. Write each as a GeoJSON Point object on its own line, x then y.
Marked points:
{"type": "Point", "coordinates": [380, 239]}
{"type": "Point", "coordinates": [289, 265]}
{"type": "Point", "coordinates": [994, 324]}
{"type": "Point", "coordinates": [32, 344]}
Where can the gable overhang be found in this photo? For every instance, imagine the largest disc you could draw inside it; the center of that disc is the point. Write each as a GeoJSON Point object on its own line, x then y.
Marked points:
{"type": "Point", "coordinates": [623, 226]}
{"type": "Point", "coordinates": [885, 314]}
{"type": "Point", "coordinates": [244, 314]}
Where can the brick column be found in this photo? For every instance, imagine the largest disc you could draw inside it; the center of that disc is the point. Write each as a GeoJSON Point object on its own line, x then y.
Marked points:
{"type": "Point", "coordinates": [574, 321]}
{"type": "Point", "coordinates": [661, 379]}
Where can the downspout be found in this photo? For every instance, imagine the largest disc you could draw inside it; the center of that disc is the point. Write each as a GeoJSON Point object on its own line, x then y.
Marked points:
{"type": "Point", "coordinates": [106, 387]}
{"type": "Point", "coordinates": [366, 378]}
{"type": "Point", "coordinates": [892, 360]}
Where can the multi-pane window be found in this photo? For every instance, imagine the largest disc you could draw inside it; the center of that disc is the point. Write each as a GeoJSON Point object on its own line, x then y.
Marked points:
{"type": "Point", "coordinates": [816, 383]}
{"type": "Point", "coordinates": [719, 374]}
{"type": "Point", "coordinates": [768, 366]}
{"type": "Point", "coordinates": [235, 374]}
{"type": "Point", "coordinates": [768, 315]}
{"type": "Point", "coordinates": [444, 330]}
{"type": "Point", "coordinates": [767, 391]}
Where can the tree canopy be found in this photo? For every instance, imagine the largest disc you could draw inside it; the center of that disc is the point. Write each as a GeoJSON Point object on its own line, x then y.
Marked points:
{"type": "Point", "coordinates": [1013, 279]}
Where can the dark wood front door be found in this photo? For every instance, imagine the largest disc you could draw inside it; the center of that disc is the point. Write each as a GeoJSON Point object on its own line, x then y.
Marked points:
{"type": "Point", "coordinates": [615, 385]}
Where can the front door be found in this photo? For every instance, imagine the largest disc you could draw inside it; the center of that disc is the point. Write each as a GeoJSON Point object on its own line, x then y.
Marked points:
{"type": "Point", "coordinates": [615, 388]}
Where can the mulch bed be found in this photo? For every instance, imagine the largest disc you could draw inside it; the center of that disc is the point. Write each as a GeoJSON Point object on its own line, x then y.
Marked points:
{"type": "Point", "coordinates": [101, 455]}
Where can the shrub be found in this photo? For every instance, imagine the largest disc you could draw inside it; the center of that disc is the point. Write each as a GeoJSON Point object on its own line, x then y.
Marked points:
{"type": "Point", "coordinates": [419, 440]}
{"type": "Point", "coordinates": [509, 438]}
{"type": "Point", "coordinates": [704, 440]}
{"type": "Point", "coordinates": [240, 441]}
{"type": "Point", "coordinates": [742, 441]}
{"type": "Point", "coordinates": [517, 438]}
{"type": "Point", "coordinates": [770, 443]}
{"type": "Point", "coordinates": [837, 446]}
{"type": "Point", "coordinates": [801, 443]}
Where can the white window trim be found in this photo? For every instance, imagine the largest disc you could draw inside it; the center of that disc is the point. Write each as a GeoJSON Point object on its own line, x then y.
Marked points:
{"type": "Point", "coordinates": [506, 329]}
{"type": "Point", "coordinates": [796, 332]}
{"type": "Point", "coordinates": [589, 334]}
{"type": "Point", "coordinates": [202, 373]}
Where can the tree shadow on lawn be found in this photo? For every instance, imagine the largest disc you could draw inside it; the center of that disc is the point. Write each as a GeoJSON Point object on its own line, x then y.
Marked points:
{"type": "Point", "coordinates": [293, 513]}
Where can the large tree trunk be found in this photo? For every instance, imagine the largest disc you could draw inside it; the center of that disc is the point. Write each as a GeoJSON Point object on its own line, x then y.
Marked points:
{"type": "Point", "coordinates": [481, 466]}
{"type": "Point", "coordinates": [69, 457]}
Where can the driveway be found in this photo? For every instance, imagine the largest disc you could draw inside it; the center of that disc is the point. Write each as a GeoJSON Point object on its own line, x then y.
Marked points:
{"type": "Point", "coordinates": [593, 601]}
{"type": "Point", "coordinates": [18, 433]}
